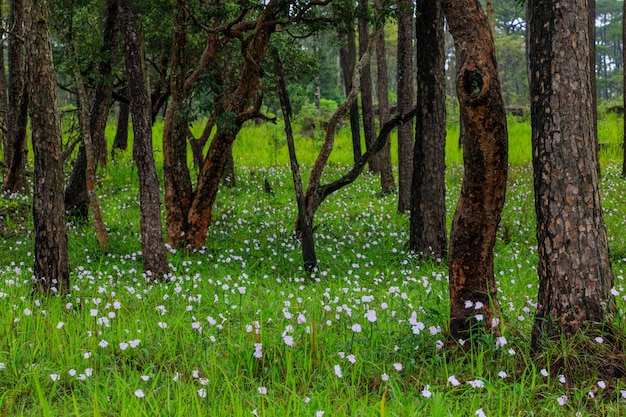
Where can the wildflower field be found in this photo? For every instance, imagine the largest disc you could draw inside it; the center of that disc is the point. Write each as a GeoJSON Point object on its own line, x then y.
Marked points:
{"type": "Point", "coordinates": [238, 329]}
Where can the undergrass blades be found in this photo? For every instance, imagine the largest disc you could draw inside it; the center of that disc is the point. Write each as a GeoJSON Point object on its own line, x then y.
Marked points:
{"type": "Point", "coordinates": [239, 329]}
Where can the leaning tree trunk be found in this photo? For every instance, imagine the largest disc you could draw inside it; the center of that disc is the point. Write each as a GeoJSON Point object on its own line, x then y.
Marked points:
{"type": "Point", "coordinates": [15, 150]}
{"type": "Point", "coordinates": [152, 245]}
{"type": "Point", "coordinates": [483, 190]}
{"type": "Point", "coordinates": [428, 235]}
{"type": "Point", "coordinates": [237, 111]}
{"type": "Point", "coordinates": [51, 271]}
{"type": "Point", "coordinates": [575, 276]}
{"type": "Point", "coordinates": [76, 192]}
{"type": "Point", "coordinates": [406, 98]}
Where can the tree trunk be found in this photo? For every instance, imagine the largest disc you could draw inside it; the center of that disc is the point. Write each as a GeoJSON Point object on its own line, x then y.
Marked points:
{"type": "Point", "coordinates": [120, 142]}
{"type": "Point", "coordinates": [483, 190]}
{"type": "Point", "coordinates": [51, 270]}
{"type": "Point", "coordinates": [387, 184]}
{"type": "Point", "coordinates": [367, 107]}
{"type": "Point", "coordinates": [243, 106]}
{"type": "Point", "coordinates": [178, 187]}
{"type": "Point", "coordinates": [305, 217]}
{"type": "Point", "coordinates": [624, 88]}
{"type": "Point", "coordinates": [16, 151]}
{"type": "Point", "coordinates": [76, 192]}
{"type": "Point", "coordinates": [575, 276]}
{"type": "Point", "coordinates": [428, 202]}
{"type": "Point", "coordinates": [153, 248]}
{"type": "Point", "coordinates": [347, 56]}
{"type": "Point", "coordinates": [88, 144]}
{"type": "Point", "coordinates": [491, 18]}
{"type": "Point", "coordinates": [4, 105]}
{"type": "Point", "coordinates": [406, 98]}
{"type": "Point", "coordinates": [591, 18]}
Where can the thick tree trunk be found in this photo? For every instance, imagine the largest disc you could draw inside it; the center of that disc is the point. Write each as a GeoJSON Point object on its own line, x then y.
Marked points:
{"type": "Point", "coordinates": [483, 190]}
{"type": "Point", "coordinates": [178, 187]}
{"type": "Point", "coordinates": [120, 142]}
{"type": "Point", "coordinates": [428, 202]}
{"type": "Point", "coordinates": [591, 19]}
{"type": "Point", "coordinates": [387, 184]}
{"type": "Point", "coordinates": [406, 98]}
{"type": "Point", "coordinates": [367, 107]}
{"type": "Point", "coordinates": [153, 248]}
{"type": "Point", "coordinates": [348, 61]}
{"type": "Point", "coordinates": [16, 151]}
{"type": "Point", "coordinates": [575, 276]}
{"type": "Point", "coordinates": [51, 270]}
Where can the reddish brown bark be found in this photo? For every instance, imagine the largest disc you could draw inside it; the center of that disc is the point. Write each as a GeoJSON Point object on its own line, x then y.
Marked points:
{"type": "Point", "coordinates": [244, 105]}
{"type": "Point", "coordinates": [483, 190]}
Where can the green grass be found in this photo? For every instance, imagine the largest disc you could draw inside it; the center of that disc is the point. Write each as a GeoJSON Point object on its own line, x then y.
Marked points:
{"type": "Point", "coordinates": [121, 346]}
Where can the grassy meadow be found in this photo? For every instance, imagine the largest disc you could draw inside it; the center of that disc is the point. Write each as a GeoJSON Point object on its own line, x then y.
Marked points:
{"type": "Point", "coordinates": [239, 329]}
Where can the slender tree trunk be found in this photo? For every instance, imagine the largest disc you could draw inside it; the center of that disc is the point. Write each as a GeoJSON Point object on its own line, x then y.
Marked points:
{"type": "Point", "coordinates": [178, 187]}
{"type": "Point", "coordinates": [16, 151]}
{"type": "Point", "coordinates": [575, 276]}
{"type": "Point", "coordinates": [51, 270]}
{"type": "Point", "coordinates": [348, 60]}
{"type": "Point", "coordinates": [491, 18]}
{"type": "Point", "coordinates": [367, 107]}
{"type": "Point", "coordinates": [76, 191]}
{"type": "Point", "coordinates": [387, 184]}
{"type": "Point", "coordinates": [90, 157]}
{"type": "Point", "coordinates": [428, 202]}
{"type": "Point", "coordinates": [305, 226]}
{"type": "Point", "coordinates": [120, 142]}
{"type": "Point", "coordinates": [153, 248]}
{"type": "Point", "coordinates": [4, 105]}
{"type": "Point", "coordinates": [483, 190]}
{"type": "Point", "coordinates": [624, 88]}
{"type": "Point", "coordinates": [406, 98]}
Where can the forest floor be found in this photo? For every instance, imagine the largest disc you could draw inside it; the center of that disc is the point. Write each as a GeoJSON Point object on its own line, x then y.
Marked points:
{"type": "Point", "coordinates": [239, 329]}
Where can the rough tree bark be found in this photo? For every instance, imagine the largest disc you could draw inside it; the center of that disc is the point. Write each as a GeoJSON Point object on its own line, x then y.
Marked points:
{"type": "Point", "coordinates": [483, 190]}
{"type": "Point", "coordinates": [152, 245]}
{"type": "Point", "coordinates": [575, 276]}
{"type": "Point", "coordinates": [428, 235]}
{"type": "Point", "coordinates": [51, 269]}
{"type": "Point", "coordinates": [15, 151]}
{"type": "Point", "coordinates": [4, 105]}
{"type": "Point", "coordinates": [178, 187]}
{"type": "Point", "coordinates": [406, 98]}
{"type": "Point", "coordinates": [387, 184]}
